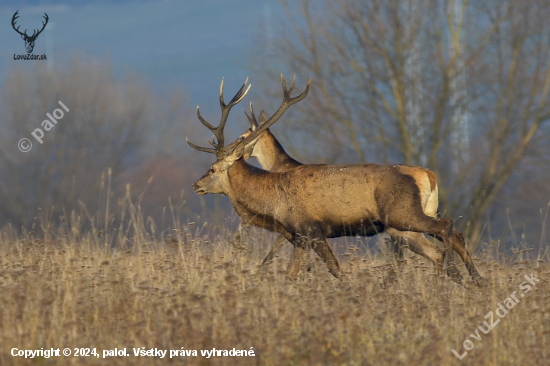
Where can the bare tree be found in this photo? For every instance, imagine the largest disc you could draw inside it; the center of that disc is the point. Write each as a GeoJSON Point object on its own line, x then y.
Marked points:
{"type": "Point", "coordinates": [112, 126]}
{"type": "Point", "coordinates": [458, 87]}
{"type": "Point", "coordinates": [105, 127]}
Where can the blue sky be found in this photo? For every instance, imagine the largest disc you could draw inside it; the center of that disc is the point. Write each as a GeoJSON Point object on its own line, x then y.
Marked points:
{"type": "Point", "coordinates": [185, 44]}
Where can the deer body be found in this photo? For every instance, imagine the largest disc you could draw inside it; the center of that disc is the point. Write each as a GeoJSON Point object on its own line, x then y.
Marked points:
{"type": "Point", "coordinates": [347, 199]}
{"type": "Point", "coordinates": [272, 156]}
{"type": "Point", "coordinates": [323, 201]}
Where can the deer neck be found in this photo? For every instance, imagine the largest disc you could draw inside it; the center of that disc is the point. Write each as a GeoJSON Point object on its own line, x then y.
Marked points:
{"type": "Point", "coordinates": [251, 190]}
{"type": "Point", "coordinates": [271, 155]}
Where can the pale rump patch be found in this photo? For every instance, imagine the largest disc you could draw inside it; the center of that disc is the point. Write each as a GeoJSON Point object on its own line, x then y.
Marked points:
{"type": "Point", "coordinates": [431, 177]}
{"type": "Point", "coordinates": [425, 180]}
{"type": "Point", "coordinates": [433, 203]}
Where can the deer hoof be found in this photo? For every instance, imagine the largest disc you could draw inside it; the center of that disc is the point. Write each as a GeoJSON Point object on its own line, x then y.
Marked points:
{"type": "Point", "coordinates": [455, 275]}
{"type": "Point", "coordinates": [480, 281]}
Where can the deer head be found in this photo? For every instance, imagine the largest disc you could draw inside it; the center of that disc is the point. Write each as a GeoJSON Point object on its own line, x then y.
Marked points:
{"type": "Point", "coordinates": [29, 40]}
{"type": "Point", "coordinates": [216, 180]}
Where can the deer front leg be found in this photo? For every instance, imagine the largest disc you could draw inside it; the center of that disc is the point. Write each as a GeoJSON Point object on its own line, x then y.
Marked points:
{"type": "Point", "coordinates": [317, 240]}
{"type": "Point", "coordinates": [298, 254]}
{"type": "Point", "coordinates": [278, 243]}
{"type": "Point", "coordinates": [319, 243]}
{"type": "Point", "coordinates": [241, 234]}
{"type": "Point", "coordinates": [324, 250]}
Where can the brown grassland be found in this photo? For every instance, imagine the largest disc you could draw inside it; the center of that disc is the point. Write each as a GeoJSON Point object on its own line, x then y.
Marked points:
{"type": "Point", "coordinates": [72, 287]}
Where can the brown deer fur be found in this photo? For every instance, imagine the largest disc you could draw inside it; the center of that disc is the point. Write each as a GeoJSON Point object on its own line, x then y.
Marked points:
{"type": "Point", "coordinates": [272, 156]}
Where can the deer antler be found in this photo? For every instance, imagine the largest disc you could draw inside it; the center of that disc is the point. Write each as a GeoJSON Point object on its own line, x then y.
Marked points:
{"type": "Point", "coordinates": [218, 131]}
{"type": "Point", "coordinates": [252, 118]}
{"type": "Point", "coordinates": [287, 102]}
{"type": "Point", "coordinates": [264, 125]}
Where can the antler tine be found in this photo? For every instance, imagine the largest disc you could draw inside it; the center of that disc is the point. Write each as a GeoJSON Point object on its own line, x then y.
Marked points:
{"type": "Point", "coordinates": [287, 102]}
{"type": "Point", "coordinates": [213, 143]}
{"type": "Point", "coordinates": [203, 121]}
{"type": "Point", "coordinates": [226, 108]}
{"type": "Point", "coordinates": [218, 131]}
{"type": "Point", "coordinates": [204, 149]}
{"type": "Point", "coordinates": [237, 98]}
{"type": "Point", "coordinates": [252, 119]}
{"type": "Point", "coordinates": [291, 85]}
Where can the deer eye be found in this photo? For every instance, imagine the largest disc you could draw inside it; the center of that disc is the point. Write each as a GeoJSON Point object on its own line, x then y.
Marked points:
{"type": "Point", "coordinates": [213, 170]}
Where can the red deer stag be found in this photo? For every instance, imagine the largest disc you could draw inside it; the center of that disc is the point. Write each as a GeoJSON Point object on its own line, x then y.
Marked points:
{"type": "Point", "coordinates": [272, 156]}
{"type": "Point", "coordinates": [312, 202]}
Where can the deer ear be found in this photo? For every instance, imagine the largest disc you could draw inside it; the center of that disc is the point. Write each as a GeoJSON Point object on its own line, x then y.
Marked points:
{"type": "Point", "coordinates": [263, 118]}
{"type": "Point", "coordinates": [236, 154]}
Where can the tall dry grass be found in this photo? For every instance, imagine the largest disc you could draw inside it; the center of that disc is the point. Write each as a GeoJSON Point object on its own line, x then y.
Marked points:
{"type": "Point", "coordinates": [71, 287]}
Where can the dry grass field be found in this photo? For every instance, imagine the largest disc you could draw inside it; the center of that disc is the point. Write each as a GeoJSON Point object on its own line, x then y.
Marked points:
{"type": "Point", "coordinates": [70, 287]}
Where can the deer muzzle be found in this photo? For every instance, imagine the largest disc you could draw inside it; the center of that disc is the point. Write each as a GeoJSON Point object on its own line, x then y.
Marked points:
{"type": "Point", "coordinates": [198, 189]}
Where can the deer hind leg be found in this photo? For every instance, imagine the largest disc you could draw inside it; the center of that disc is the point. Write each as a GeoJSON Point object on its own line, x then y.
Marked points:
{"type": "Point", "coordinates": [278, 243]}
{"type": "Point", "coordinates": [442, 229]}
{"type": "Point", "coordinates": [417, 243]}
{"type": "Point", "coordinates": [458, 239]}
{"type": "Point", "coordinates": [430, 208]}
{"type": "Point", "coordinates": [460, 247]}
{"type": "Point", "coordinates": [445, 233]}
